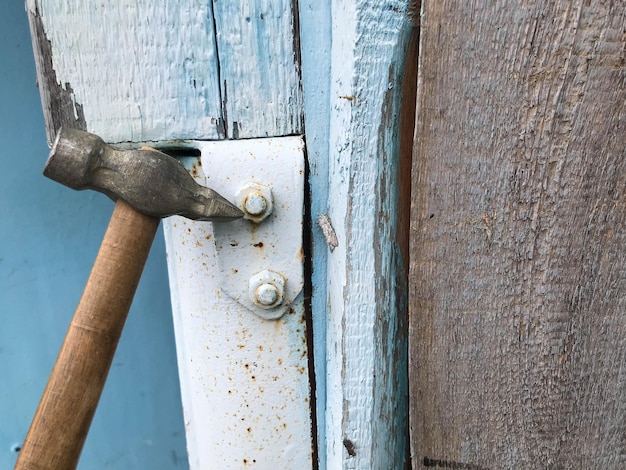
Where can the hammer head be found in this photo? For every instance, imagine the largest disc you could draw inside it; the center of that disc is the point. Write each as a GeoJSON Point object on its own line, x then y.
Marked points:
{"type": "Point", "coordinates": [152, 182]}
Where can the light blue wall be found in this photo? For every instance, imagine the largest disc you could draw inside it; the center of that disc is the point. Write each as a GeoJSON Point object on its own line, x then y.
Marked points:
{"type": "Point", "coordinates": [49, 236]}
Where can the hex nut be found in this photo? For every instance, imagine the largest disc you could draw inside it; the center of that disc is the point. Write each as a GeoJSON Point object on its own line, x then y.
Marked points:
{"type": "Point", "coordinates": [267, 289]}
{"type": "Point", "coordinates": [256, 201]}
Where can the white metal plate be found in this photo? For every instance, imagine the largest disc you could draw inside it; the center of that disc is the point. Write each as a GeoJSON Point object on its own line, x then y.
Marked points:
{"type": "Point", "coordinates": [245, 248]}
{"type": "Point", "coordinates": [244, 379]}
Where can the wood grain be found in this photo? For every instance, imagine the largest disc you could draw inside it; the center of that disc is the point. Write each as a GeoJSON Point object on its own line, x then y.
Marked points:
{"type": "Point", "coordinates": [367, 384]}
{"type": "Point", "coordinates": [259, 67]}
{"type": "Point", "coordinates": [59, 428]}
{"type": "Point", "coordinates": [518, 271]}
{"type": "Point", "coordinates": [127, 70]}
{"type": "Point", "coordinates": [198, 70]}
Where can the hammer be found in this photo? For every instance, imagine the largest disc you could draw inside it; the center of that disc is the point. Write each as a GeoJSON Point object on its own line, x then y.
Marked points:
{"type": "Point", "coordinates": [146, 185]}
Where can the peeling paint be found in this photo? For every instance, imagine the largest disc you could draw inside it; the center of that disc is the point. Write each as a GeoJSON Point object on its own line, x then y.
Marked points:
{"type": "Point", "coordinates": [258, 46]}
{"type": "Point", "coordinates": [130, 76]}
{"type": "Point", "coordinates": [59, 105]}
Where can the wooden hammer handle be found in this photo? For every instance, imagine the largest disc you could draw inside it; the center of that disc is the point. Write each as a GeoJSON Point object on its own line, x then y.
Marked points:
{"type": "Point", "coordinates": [56, 436]}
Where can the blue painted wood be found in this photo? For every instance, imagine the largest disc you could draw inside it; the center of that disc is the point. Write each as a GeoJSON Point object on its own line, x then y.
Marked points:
{"type": "Point", "coordinates": [258, 68]}
{"type": "Point", "coordinates": [126, 71]}
{"type": "Point", "coordinates": [49, 236]}
{"type": "Point", "coordinates": [315, 47]}
{"type": "Point", "coordinates": [366, 382]}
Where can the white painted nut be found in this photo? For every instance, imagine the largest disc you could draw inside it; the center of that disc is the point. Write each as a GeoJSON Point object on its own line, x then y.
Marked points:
{"type": "Point", "coordinates": [256, 201]}
{"type": "Point", "coordinates": [267, 289]}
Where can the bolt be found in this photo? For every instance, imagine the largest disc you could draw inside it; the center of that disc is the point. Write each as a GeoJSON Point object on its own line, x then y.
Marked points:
{"type": "Point", "coordinates": [266, 294]}
{"type": "Point", "coordinates": [256, 201]}
{"type": "Point", "coordinates": [267, 289]}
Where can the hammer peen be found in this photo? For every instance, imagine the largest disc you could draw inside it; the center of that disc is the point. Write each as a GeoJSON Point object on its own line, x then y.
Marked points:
{"type": "Point", "coordinates": [147, 185]}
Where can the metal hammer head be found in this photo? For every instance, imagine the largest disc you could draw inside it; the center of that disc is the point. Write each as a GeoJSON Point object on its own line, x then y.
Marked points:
{"type": "Point", "coordinates": [152, 182]}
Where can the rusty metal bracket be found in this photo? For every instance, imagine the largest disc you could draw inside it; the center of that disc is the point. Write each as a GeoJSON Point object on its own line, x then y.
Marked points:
{"type": "Point", "coordinates": [266, 176]}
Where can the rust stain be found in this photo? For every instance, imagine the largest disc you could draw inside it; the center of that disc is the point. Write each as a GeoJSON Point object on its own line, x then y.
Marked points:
{"type": "Point", "coordinates": [195, 169]}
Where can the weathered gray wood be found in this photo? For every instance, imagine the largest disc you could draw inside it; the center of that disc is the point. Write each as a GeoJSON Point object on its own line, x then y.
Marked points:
{"type": "Point", "coordinates": [518, 236]}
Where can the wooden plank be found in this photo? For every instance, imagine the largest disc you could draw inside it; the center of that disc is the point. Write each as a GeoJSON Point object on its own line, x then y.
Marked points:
{"type": "Point", "coordinates": [316, 46]}
{"type": "Point", "coordinates": [128, 71]}
{"type": "Point", "coordinates": [162, 60]}
{"type": "Point", "coordinates": [366, 358]}
{"type": "Point", "coordinates": [518, 335]}
{"type": "Point", "coordinates": [258, 45]}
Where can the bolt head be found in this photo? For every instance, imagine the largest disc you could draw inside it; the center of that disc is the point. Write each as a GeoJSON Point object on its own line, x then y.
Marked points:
{"type": "Point", "coordinates": [267, 294]}
{"type": "Point", "coordinates": [267, 289]}
{"type": "Point", "coordinates": [256, 201]}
